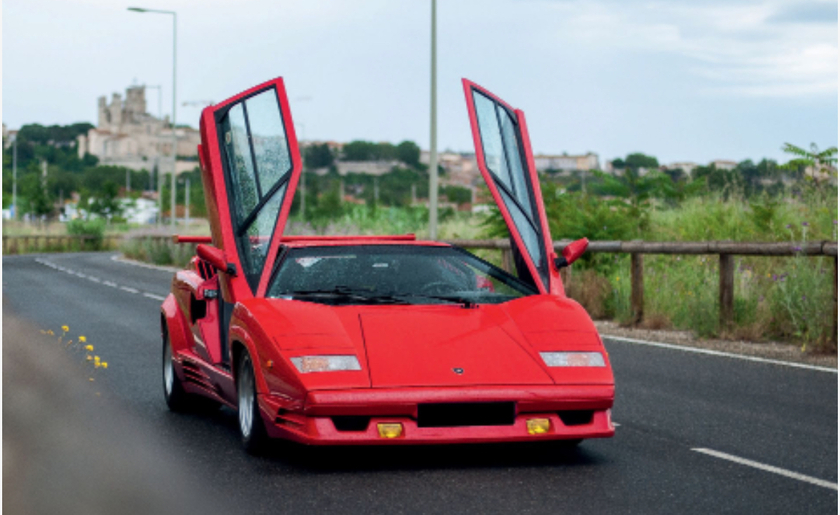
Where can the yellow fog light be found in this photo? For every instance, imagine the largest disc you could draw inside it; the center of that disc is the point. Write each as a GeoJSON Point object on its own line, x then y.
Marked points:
{"type": "Point", "coordinates": [538, 426]}
{"type": "Point", "coordinates": [389, 430]}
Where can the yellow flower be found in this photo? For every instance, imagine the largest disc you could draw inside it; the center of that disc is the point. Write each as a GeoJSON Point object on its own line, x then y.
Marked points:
{"type": "Point", "coordinates": [89, 358]}
{"type": "Point", "coordinates": [82, 339]}
{"type": "Point", "coordinates": [104, 364]}
{"type": "Point", "coordinates": [88, 348]}
{"type": "Point", "coordinates": [50, 332]}
{"type": "Point", "coordinates": [96, 360]}
{"type": "Point", "coordinates": [97, 365]}
{"type": "Point", "coordinates": [90, 379]}
{"type": "Point", "coordinates": [65, 328]}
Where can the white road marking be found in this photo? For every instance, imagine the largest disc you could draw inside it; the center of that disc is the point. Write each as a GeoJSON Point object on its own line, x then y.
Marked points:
{"type": "Point", "coordinates": [106, 283]}
{"type": "Point", "coordinates": [719, 353]}
{"type": "Point", "coordinates": [768, 468]}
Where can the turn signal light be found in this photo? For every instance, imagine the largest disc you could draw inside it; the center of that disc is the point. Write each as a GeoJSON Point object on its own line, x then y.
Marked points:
{"type": "Point", "coordinates": [538, 426]}
{"type": "Point", "coordinates": [389, 430]}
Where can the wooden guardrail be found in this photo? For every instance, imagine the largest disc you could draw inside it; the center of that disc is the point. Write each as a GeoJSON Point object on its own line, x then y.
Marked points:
{"type": "Point", "coordinates": [61, 243]}
{"type": "Point", "coordinates": [725, 250]}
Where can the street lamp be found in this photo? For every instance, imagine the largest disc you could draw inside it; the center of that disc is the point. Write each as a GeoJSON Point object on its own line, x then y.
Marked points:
{"type": "Point", "coordinates": [174, 99]}
{"type": "Point", "coordinates": [433, 159]}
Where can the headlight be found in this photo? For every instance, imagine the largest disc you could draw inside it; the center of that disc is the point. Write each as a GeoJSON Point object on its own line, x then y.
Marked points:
{"type": "Point", "coordinates": [307, 364]}
{"type": "Point", "coordinates": [573, 359]}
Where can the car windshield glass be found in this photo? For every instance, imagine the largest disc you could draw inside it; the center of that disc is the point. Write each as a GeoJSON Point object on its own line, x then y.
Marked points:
{"type": "Point", "coordinates": [392, 274]}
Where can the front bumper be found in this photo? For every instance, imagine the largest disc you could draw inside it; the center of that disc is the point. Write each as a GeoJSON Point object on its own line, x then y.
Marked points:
{"type": "Point", "coordinates": [314, 423]}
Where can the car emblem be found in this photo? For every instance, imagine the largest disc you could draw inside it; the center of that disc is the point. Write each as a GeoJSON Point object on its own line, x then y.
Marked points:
{"type": "Point", "coordinates": [458, 371]}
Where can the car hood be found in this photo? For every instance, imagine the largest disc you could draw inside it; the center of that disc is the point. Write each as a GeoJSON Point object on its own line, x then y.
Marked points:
{"type": "Point", "coordinates": [439, 345]}
{"type": "Point", "coordinates": [447, 346]}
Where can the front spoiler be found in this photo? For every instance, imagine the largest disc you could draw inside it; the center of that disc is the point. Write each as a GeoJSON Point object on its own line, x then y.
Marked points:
{"type": "Point", "coordinates": [313, 424]}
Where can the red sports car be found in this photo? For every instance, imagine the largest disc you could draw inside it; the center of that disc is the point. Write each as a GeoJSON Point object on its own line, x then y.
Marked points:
{"type": "Point", "coordinates": [376, 339]}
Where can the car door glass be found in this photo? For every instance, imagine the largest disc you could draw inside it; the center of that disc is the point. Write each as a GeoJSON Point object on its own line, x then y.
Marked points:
{"type": "Point", "coordinates": [259, 166]}
{"type": "Point", "coordinates": [504, 159]}
{"type": "Point", "coordinates": [240, 164]}
{"type": "Point", "coordinates": [491, 139]}
{"type": "Point", "coordinates": [268, 136]}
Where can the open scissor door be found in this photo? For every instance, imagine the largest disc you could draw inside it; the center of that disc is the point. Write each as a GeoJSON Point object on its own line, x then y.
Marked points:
{"type": "Point", "coordinates": [503, 153]}
{"type": "Point", "coordinates": [250, 166]}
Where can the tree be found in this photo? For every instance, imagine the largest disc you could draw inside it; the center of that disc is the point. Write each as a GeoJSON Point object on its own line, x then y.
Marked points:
{"type": "Point", "coordinates": [818, 166]}
{"type": "Point", "coordinates": [638, 161]}
{"type": "Point", "coordinates": [409, 153]}
{"type": "Point", "coordinates": [318, 156]}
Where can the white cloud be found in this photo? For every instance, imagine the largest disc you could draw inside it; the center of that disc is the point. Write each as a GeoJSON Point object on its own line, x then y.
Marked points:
{"type": "Point", "coordinates": [740, 49]}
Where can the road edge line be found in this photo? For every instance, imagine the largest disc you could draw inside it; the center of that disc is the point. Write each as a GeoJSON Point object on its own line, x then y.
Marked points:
{"type": "Point", "coordinates": [767, 468]}
{"type": "Point", "coordinates": [720, 353]}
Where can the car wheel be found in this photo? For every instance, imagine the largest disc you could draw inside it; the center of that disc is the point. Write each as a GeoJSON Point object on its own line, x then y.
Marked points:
{"type": "Point", "coordinates": [251, 426]}
{"type": "Point", "coordinates": [173, 391]}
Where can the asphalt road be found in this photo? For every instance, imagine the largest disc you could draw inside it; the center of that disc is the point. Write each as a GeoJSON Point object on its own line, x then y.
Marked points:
{"type": "Point", "coordinates": [697, 433]}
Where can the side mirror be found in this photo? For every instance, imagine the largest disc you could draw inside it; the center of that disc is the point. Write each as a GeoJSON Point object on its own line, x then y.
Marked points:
{"type": "Point", "coordinates": [571, 253]}
{"type": "Point", "coordinates": [216, 258]}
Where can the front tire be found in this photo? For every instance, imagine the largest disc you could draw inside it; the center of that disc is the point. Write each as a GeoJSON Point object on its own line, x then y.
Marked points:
{"type": "Point", "coordinates": [251, 425]}
{"type": "Point", "coordinates": [173, 391]}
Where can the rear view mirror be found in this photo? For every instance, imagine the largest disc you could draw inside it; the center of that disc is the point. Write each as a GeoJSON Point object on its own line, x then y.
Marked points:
{"type": "Point", "coordinates": [216, 258]}
{"type": "Point", "coordinates": [571, 253]}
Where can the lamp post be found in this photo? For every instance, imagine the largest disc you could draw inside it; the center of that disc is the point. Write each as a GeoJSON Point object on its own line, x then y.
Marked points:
{"type": "Point", "coordinates": [174, 100]}
{"type": "Point", "coordinates": [433, 178]}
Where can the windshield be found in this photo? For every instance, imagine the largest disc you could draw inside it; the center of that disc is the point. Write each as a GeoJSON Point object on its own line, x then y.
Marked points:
{"type": "Point", "coordinates": [392, 274]}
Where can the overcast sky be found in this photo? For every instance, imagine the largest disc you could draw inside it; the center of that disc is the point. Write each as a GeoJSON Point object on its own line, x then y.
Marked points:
{"type": "Point", "coordinates": [682, 80]}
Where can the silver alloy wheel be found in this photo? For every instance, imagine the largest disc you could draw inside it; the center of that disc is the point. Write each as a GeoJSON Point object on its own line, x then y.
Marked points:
{"type": "Point", "coordinates": [246, 398]}
{"type": "Point", "coordinates": [168, 372]}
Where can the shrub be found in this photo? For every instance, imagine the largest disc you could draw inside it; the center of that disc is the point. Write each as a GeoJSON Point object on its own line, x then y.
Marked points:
{"type": "Point", "coordinates": [94, 228]}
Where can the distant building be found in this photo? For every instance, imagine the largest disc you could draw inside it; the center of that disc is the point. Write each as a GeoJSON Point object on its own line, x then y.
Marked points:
{"type": "Point", "coordinates": [565, 162]}
{"type": "Point", "coordinates": [126, 135]}
{"type": "Point", "coordinates": [723, 164]}
{"type": "Point", "coordinates": [686, 166]}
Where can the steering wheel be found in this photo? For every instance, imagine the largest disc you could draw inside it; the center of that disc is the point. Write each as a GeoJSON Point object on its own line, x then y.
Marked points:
{"type": "Point", "coordinates": [437, 288]}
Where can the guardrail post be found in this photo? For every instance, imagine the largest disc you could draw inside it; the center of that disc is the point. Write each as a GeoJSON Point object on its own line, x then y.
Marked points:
{"type": "Point", "coordinates": [637, 288]}
{"type": "Point", "coordinates": [727, 290]}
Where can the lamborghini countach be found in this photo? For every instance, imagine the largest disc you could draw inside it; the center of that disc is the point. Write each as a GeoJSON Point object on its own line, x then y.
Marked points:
{"type": "Point", "coordinates": [341, 340]}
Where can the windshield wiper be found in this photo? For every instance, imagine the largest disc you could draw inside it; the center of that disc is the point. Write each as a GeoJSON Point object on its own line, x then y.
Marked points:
{"type": "Point", "coordinates": [446, 298]}
{"type": "Point", "coordinates": [349, 292]}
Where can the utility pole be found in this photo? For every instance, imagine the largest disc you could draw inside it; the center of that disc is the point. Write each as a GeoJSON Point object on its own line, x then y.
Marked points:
{"type": "Point", "coordinates": [187, 203]}
{"type": "Point", "coordinates": [376, 191]}
{"type": "Point", "coordinates": [127, 182]}
{"type": "Point", "coordinates": [14, 178]}
{"type": "Point", "coordinates": [433, 178]}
